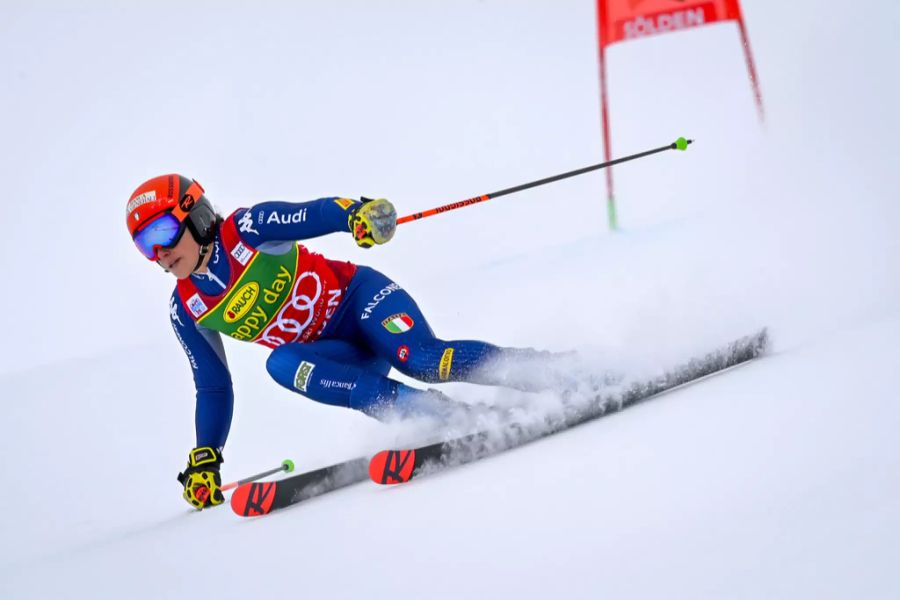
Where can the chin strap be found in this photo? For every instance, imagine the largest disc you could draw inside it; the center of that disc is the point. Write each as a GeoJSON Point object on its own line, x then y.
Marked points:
{"type": "Point", "coordinates": [204, 250]}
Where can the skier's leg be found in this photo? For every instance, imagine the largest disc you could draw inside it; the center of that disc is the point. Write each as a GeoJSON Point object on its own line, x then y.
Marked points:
{"type": "Point", "coordinates": [393, 326]}
{"type": "Point", "coordinates": [334, 372]}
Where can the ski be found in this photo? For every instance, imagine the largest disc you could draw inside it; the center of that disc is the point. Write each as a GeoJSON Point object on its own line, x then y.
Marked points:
{"type": "Point", "coordinates": [261, 498]}
{"type": "Point", "coordinates": [399, 466]}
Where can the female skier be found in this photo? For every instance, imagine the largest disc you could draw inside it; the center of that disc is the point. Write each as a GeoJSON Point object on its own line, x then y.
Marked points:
{"type": "Point", "coordinates": [335, 328]}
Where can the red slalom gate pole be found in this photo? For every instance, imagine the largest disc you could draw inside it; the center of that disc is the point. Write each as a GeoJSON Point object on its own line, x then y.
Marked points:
{"type": "Point", "coordinates": [679, 144]}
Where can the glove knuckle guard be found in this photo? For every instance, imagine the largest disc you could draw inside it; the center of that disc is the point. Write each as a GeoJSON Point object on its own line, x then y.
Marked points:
{"type": "Point", "coordinates": [201, 478]}
{"type": "Point", "coordinates": [373, 222]}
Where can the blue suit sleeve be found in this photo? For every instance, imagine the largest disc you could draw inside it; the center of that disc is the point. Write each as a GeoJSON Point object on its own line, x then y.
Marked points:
{"type": "Point", "coordinates": [215, 395]}
{"type": "Point", "coordinates": [292, 221]}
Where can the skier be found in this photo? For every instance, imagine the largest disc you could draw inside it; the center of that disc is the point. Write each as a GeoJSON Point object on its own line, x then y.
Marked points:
{"type": "Point", "coordinates": [335, 328]}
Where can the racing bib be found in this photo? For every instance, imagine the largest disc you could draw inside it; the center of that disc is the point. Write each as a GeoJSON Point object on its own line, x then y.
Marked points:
{"type": "Point", "coordinates": [270, 299]}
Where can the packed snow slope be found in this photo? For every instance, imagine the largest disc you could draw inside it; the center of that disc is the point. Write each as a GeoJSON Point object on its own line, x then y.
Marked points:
{"type": "Point", "coordinates": [780, 479]}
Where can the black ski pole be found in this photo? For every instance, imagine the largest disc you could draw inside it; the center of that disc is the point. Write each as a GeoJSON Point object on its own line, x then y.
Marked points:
{"type": "Point", "coordinates": [679, 144]}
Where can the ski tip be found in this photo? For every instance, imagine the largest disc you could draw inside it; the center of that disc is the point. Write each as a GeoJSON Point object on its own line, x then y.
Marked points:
{"type": "Point", "coordinates": [392, 466]}
{"type": "Point", "coordinates": [253, 499]}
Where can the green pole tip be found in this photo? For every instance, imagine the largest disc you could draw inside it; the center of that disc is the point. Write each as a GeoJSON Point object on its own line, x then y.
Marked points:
{"type": "Point", "coordinates": [288, 465]}
{"type": "Point", "coordinates": [682, 144]}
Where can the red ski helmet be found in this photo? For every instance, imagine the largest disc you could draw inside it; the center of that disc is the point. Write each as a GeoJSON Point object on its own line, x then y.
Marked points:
{"type": "Point", "coordinates": [160, 209]}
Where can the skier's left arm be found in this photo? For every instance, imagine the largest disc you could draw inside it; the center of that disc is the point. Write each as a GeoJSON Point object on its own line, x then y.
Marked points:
{"type": "Point", "coordinates": [370, 221]}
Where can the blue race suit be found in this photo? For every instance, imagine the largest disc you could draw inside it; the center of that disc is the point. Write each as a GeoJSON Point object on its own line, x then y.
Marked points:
{"type": "Point", "coordinates": [376, 325]}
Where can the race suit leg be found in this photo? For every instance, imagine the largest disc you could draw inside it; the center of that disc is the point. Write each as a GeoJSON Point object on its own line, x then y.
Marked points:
{"type": "Point", "coordinates": [378, 326]}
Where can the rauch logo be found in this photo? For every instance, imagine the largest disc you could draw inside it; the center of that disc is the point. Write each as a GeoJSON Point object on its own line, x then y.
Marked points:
{"type": "Point", "coordinates": [242, 302]}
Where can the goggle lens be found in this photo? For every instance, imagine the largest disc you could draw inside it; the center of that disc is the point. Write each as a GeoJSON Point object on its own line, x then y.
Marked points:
{"type": "Point", "coordinates": [162, 232]}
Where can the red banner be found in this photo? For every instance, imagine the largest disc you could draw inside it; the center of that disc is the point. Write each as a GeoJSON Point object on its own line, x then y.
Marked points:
{"type": "Point", "coordinates": [620, 20]}
{"type": "Point", "coordinates": [629, 19]}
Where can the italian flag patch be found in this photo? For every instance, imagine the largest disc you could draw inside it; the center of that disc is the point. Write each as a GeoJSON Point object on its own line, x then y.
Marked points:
{"type": "Point", "coordinates": [399, 323]}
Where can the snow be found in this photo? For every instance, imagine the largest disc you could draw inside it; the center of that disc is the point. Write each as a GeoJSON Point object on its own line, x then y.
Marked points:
{"type": "Point", "coordinates": [776, 480]}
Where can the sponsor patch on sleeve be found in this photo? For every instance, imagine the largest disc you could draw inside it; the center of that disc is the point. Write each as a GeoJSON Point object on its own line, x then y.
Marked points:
{"type": "Point", "coordinates": [242, 253]}
{"type": "Point", "coordinates": [196, 305]}
{"type": "Point", "coordinates": [344, 203]}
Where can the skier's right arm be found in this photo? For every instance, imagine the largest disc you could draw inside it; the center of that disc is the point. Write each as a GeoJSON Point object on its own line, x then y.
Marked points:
{"type": "Point", "coordinates": [215, 402]}
{"type": "Point", "coordinates": [215, 397]}
{"type": "Point", "coordinates": [369, 221]}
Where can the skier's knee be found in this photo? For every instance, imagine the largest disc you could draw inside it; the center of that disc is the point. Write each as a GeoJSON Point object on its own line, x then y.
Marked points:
{"type": "Point", "coordinates": [285, 363]}
{"type": "Point", "coordinates": [437, 361]}
{"type": "Point", "coordinates": [431, 362]}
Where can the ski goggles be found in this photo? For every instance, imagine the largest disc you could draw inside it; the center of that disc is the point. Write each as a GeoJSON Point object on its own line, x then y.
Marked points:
{"type": "Point", "coordinates": [163, 232]}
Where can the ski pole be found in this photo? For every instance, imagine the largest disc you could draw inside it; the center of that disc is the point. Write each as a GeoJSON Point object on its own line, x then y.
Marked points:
{"type": "Point", "coordinates": [679, 144]}
{"type": "Point", "coordinates": [287, 465]}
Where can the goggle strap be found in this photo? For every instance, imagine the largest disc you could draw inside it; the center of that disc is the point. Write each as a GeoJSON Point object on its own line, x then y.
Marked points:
{"type": "Point", "coordinates": [187, 201]}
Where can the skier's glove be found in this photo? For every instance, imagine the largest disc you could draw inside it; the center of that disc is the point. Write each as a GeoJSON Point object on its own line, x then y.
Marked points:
{"type": "Point", "coordinates": [372, 222]}
{"type": "Point", "coordinates": [201, 478]}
